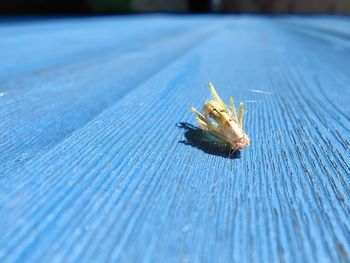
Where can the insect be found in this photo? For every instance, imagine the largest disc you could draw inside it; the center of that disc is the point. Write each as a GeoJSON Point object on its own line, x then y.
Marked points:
{"type": "Point", "coordinates": [227, 125]}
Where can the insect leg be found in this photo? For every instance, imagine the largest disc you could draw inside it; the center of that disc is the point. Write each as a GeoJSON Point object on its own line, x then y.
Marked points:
{"type": "Point", "coordinates": [207, 125]}
{"type": "Point", "coordinates": [215, 94]}
{"type": "Point", "coordinates": [205, 120]}
{"type": "Point", "coordinates": [233, 110]}
{"type": "Point", "coordinates": [198, 114]}
{"type": "Point", "coordinates": [241, 114]}
{"type": "Point", "coordinates": [215, 130]}
{"type": "Point", "coordinates": [201, 124]}
{"type": "Point", "coordinates": [201, 120]}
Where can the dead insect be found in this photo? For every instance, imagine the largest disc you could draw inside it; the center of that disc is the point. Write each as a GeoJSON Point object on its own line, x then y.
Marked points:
{"type": "Point", "coordinates": [228, 126]}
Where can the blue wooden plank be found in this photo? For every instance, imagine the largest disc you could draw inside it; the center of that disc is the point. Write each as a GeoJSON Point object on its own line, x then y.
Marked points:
{"type": "Point", "coordinates": [331, 25]}
{"type": "Point", "coordinates": [40, 109]}
{"type": "Point", "coordinates": [139, 183]}
{"type": "Point", "coordinates": [35, 46]}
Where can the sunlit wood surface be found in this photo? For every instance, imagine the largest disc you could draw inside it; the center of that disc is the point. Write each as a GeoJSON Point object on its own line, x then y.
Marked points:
{"type": "Point", "coordinates": [100, 159]}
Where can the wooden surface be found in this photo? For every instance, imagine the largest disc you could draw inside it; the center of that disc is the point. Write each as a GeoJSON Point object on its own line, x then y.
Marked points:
{"type": "Point", "coordinates": [100, 161]}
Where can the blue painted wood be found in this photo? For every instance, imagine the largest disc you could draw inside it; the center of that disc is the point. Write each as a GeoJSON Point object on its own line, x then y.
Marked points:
{"type": "Point", "coordinates": [45, 104]}
{"type": "Point", "coordinates": [100, 160]}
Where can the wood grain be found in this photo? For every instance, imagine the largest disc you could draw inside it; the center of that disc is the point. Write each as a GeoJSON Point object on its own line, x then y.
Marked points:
{"type": "Point", "coordinates": [114, 169]}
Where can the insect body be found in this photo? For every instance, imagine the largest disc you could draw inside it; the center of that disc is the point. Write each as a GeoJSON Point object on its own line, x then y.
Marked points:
{"type": "Point", "coordinates": [227, 125]}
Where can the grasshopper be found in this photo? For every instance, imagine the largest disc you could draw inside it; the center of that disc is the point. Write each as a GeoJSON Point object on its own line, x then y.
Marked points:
{"type": "Point", "coordinates": [222, 122]}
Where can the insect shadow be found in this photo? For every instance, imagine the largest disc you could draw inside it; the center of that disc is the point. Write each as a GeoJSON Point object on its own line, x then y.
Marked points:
{"type": "Point", "coordinates": [204, 141]}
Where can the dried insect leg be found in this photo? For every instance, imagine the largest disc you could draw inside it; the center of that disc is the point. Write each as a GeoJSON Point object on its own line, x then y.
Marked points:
{"type": "Point", "coordinates": [200, 119]}
{"type": "Point", "coordinates": [241, 114]}
{"type": "Point", "coordinates": [216, 95]}
{"type": "Point", "coordinates": [206, 124]}
{"type": "Point", "coordinates": [233, 110]}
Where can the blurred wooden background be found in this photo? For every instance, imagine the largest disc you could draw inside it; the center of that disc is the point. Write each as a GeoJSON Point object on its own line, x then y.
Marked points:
{"type": "Point", "coordinates": [285, 6]}
{"type": "Point", "coordinates": [126, 6]}
{"type": "Point", "coordinates": [255, 6]}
